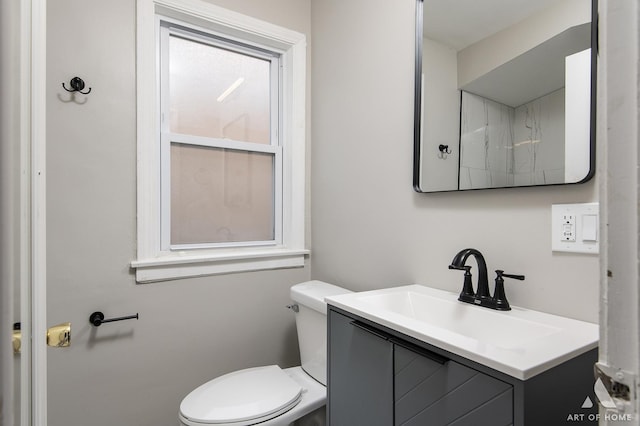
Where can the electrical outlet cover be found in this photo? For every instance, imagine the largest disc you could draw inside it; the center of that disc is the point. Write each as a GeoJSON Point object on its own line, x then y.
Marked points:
{"type": "Point", "coordinates": [573, 229]}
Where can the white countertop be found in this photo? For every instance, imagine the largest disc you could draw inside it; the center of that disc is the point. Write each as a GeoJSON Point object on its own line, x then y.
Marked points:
{"type": "Point", "coordinates": [521, 342]}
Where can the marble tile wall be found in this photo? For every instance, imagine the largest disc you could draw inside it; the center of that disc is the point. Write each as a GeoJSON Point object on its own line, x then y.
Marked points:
{"type": "Point", "coordinates": [505, 146]}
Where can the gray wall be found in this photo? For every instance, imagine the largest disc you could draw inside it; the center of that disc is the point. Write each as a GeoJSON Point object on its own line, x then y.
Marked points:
{"type": "Point", "coordinates": [370, 230]}
{"type": "Point", "coordinates": [135, 372]}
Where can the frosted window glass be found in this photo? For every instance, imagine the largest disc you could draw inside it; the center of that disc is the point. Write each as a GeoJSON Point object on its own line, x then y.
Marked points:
{"type": "Point", "coordinates": [218, 93]}
{"type": "Point", "coordinates": [221, 195]}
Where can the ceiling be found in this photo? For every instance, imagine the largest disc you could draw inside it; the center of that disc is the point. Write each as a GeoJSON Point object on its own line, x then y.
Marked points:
{"type": "Point", "coordinates": [536, 73]}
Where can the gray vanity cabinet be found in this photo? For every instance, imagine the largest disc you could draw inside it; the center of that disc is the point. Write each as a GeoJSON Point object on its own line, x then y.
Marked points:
{"type": "Point", "coordinates": [361, 374]}
{"type": "Point", "coordinates": [377, 376]}
{"type": "Point", "coordinates": [378, 379]}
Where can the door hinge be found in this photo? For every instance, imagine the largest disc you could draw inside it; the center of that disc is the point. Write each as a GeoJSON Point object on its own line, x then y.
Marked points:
{"type": "Point", "coordinates": [615, 388]}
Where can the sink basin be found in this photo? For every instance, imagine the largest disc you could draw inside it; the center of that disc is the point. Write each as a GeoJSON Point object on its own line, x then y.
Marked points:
{"type": "Point", "coordinates": [520, 342]}
{"type": "Point", "coordinates": [481, 324]}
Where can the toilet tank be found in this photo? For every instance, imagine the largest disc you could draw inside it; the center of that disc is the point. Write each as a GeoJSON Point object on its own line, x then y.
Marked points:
{"type": "Point", "coordinates": [311, 322]}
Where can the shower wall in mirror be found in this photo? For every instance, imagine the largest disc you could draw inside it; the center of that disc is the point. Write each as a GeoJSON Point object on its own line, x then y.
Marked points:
{"type": "Point", "coordinates": [505, 94]}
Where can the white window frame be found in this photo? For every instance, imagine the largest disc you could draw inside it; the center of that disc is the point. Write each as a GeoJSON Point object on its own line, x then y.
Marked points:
{"type": "Point", "coordinates": [168, 28]}
{"type": "Point", "coordinates": [157, 263]}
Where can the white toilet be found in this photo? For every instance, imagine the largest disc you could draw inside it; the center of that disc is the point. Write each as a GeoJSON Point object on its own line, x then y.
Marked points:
{"type": "Point", "coordinates": [271, 396]}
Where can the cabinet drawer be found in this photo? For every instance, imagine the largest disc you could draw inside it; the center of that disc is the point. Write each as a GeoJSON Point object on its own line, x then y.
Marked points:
{"type": "Point", "coordinates": [432, 391]}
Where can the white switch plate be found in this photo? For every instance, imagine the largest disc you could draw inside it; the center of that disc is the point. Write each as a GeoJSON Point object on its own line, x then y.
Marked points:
{"type": "Point", "coordinates": [574, 228]}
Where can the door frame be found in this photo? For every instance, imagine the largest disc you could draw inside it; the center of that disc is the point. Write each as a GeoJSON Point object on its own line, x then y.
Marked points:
{"type": "Point", "coordinates": [32, 181]}
{"type": "Point", "coordinates": [619, 185]}
{"type": "Point", "coordinates": [38, 168]}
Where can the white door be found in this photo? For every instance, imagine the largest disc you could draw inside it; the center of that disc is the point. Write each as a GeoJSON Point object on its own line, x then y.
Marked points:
{"type": "Point", "coordinates": [10, 367]}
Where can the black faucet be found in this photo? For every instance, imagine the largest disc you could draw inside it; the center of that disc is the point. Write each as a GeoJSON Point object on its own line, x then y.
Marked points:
{"type": "Point", "coordinates": [467, 294]}
{"type": "Point", "coordinates": [482, 297]}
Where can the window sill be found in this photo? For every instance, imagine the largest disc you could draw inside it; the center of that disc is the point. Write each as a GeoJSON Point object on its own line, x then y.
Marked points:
{"type": "Point", "coordinates": [187, 265]}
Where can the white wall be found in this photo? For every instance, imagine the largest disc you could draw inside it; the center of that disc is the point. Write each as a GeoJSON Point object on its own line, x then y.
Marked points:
{"type": "Point", "coordinates": [370, 229]}
{"type": "Point", "coordinates": [135, 372]}
{"type": "Point", "coordinates": [440, 116]}
{"type": "Point", "coordinates": [577, 113]}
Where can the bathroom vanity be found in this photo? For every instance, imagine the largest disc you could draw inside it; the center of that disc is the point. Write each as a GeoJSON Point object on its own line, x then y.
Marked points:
{"type": "Point", "coordinates": [389, 364]}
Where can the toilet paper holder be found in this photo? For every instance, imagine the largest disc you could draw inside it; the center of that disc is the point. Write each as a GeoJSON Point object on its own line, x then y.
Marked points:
{"type": "Point", "coordinates": [97, 318]}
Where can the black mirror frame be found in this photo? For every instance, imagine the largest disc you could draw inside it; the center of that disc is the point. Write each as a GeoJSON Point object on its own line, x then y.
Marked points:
{"type": "Point", "coordinates": [417, 109]}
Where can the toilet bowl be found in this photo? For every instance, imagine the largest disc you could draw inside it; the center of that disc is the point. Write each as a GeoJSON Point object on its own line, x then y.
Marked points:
{"type": "Point", "coordinates": [270, 395]}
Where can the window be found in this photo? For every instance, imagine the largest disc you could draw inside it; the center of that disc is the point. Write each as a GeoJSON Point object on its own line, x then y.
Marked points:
{"type": "Point", "coordinates": [220, 160]}
{"type": "Point", "coordinates": [221, 142]}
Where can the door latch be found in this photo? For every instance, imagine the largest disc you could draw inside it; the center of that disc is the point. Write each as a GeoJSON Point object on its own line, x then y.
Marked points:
{"type": "Point", "coordinates": [17, 338]}
{"type": "Point", "coordinates": [59, 336]}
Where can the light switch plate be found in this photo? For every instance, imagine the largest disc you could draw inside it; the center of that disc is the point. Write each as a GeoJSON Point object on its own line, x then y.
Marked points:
{"type": "Point", "coordinates": [574, 228]}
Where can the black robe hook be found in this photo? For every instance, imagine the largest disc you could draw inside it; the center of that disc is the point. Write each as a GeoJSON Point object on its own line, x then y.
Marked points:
{"type": "Point", "coordinates": [444, 149]}
{"type": "Point", "coordinates": [77, 84]}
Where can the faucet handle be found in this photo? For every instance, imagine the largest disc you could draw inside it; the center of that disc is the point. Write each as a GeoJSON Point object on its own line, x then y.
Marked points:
{"type": "Point", "coordinates": [499, 300]}
{"type": "Point", "coordinates": [467, 294]}
{"type": "Point", "coordinates": [501, 273]}
{"type": "Point", "coordinates": [460, 268]}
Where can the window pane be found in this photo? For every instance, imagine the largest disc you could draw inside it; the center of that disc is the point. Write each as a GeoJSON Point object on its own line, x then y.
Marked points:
{"type": "Point", "coordinates": [218, 93]}
{"type": "Point", "coordinates": [221, 195]}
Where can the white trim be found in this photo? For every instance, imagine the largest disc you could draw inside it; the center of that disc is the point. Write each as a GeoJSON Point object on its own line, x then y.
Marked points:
{"type": "Point", "coordinates": [25, 215]}
{"type": "Point", "coordinates": [228, 22]}
{"type": "Point", "coordinates": [186, 258]}
{"type": "Point", "coordinates": [34, 136]}
{"type": "Point", "coordinates": [220, 143]}
{"type": "Point", "coordinates": [214, 38]}
{"type": "Point", "coordinates": [293, 112]}
{"type": "Point", "coordinates": [183, 266]}
{"type": "Point", "coordinates": [292, 48]}
{"type": "Point", "coordinates": [200, 246]}
{"type": "Point", "coordinates": [618, 163]}
{"type": "Point", "coordinates": [148, 123]}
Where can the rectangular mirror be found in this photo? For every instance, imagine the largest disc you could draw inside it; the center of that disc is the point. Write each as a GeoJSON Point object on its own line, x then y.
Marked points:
{"type": "Point", "coordinates": [505, 93]}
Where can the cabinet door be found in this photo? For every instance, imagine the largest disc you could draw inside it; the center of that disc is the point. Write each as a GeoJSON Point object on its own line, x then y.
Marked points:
{"type": "Point", "coordinates": [360, 374]}
{"type": "Point", "coordinates": [431, 390]}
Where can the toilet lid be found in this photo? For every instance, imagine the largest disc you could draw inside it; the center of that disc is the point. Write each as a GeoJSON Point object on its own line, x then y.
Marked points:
{"type": "Point", "coordinates": [242, 395]}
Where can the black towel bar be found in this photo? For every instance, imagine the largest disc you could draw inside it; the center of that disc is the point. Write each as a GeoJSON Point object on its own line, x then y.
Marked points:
{"type": "Point", "coordinates": [97, 318]}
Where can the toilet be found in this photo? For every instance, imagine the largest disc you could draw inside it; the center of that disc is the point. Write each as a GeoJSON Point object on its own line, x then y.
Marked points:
{"type": "Point", "coordinates": [270, 395]}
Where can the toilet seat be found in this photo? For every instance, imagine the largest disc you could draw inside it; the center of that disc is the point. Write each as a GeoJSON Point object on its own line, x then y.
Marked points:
{"type": "Point", "coordinates": [242, 398]}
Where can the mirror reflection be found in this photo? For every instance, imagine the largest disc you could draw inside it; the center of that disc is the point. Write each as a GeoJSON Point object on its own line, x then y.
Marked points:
{"type": "Point", "coordinates": [503, 93]}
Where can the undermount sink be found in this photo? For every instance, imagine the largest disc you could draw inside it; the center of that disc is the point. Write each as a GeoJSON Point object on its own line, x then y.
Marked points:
{"type": "Point", "coordinates": [520, 342]}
